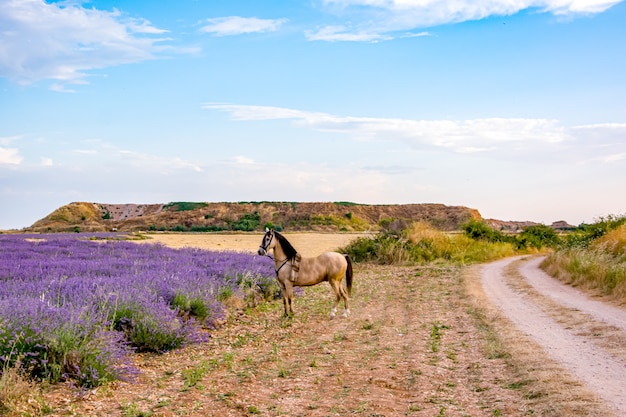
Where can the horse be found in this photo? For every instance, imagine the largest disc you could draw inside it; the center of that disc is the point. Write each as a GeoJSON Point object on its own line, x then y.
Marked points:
{"type": "Point", "coordinates": [293, 270]}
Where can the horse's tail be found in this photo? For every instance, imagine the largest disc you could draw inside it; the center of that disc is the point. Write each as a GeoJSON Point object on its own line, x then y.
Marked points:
{"type": "Point", "coordinates": [349, 275]}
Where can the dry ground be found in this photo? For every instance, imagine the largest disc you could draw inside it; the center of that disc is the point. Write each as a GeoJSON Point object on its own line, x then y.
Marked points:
{"type": "Point", "coordinates": [421, 341]}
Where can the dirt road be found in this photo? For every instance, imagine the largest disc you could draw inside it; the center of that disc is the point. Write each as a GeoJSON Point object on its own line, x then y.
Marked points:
{"type": "Point", "coordinates": [583, 335]}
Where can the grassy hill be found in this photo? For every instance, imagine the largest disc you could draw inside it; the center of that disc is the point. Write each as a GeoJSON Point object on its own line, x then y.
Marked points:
{"type": "Point", "coordinates": [248, 216]}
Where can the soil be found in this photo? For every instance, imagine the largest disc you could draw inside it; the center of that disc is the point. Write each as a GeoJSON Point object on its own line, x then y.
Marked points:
{"type": "Point", "coordinates": [421, 341]}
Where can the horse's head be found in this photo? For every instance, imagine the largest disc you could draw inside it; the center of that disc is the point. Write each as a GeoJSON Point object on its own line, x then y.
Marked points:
{"type": "Point", "coordinates": [267, 243]}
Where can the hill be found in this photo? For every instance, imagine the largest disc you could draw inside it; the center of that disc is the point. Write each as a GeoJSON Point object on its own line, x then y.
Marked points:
{"type": "Point", "coordinates": [248, 216]}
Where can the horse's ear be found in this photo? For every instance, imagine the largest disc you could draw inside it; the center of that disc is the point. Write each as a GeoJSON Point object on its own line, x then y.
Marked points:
{"type": "Point", "coordinates": [267, 229]}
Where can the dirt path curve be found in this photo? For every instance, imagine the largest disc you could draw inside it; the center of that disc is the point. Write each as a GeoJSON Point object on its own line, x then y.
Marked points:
{"type": "Point", "coordinates": [602, 372]}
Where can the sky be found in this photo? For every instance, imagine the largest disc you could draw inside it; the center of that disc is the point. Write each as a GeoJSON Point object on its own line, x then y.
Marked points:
{"type": "Point", "coordinates": [516, 108]}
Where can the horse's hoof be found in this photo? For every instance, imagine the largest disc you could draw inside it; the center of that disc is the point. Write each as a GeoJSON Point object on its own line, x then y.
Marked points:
{"type": "Point", "coordinates": [346, 313]}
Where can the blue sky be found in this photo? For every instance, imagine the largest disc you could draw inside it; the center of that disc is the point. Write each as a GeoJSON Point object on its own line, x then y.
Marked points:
{"type": "Point", "coordinates": [516, 108]}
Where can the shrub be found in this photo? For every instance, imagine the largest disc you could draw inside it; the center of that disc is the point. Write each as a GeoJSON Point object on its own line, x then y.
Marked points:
{"type": "Point", "coordinates": [184, 206]}
{"type": "Point", "coordinates": [587, 233]}
{"type": "Point", "coordinates": [479, 230]}
{"type": "Point", "coordinates": [148, 324]}
{"type": "Point", "coordinates": [538, 236]}
{"type": "Point", "coordinates": [247, 223]}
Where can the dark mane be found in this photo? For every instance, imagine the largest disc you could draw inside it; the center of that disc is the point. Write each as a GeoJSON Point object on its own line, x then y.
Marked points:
{"type": "Point", "coordinates": [290, 251]}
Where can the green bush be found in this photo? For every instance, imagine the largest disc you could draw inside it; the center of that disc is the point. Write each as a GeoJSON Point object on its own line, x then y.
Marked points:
{"type": "Point", "coordinates": [538, 236]}
{"type": "Point", "coordinates": [247, 223]}
{"type": "Point", "coordinates": [479, 230]}
{"type": "Point", "coordinates": [192, 306]}
{"type": "Point", "coordinates": [144, 331]}
{"type": "Point", "coordinates": [587, 233]}
{"type": "Point", "coordinates": [184, 206]}
{"type": "Point", "coordinates": [272, 226]}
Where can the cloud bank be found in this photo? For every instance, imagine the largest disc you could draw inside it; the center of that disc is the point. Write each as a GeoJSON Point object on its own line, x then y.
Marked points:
{"type": "Point", "coordinates": [236, 25]}
{"type": "Point", "coordinates": [62, 41]}
{"type": "Point", "coordinates": [494, 136]}
{"type": "Point", "coordinates": [375, 20]}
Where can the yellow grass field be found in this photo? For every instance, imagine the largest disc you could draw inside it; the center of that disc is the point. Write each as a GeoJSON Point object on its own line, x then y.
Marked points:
{"type": "Point", "coordinates": [308, 244]}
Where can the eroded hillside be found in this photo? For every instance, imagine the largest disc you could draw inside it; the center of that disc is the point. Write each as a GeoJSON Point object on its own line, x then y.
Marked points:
{"type": "Point", "coordinates": [248, 216]}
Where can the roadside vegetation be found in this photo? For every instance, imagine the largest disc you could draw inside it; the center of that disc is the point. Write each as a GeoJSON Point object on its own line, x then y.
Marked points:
{"type": "Point", "coordinates": [421, 243]}
{"type": "Point", "coordinates": [593, 257]}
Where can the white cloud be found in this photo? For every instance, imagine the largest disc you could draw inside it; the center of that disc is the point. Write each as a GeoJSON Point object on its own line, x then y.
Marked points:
{"type": "Point", "coordinates": [567, 7]}
{"type": "Point", "coordinates": [46, 162]}
{"type": "Point", "coordinates": [615, 157]}
{"type": "Point", "coordinates": [471, 9]}
{"type": "Point", "coordinates": [149, 161]}
{"type": "Point", "coordinates": [110, 155]}
{"type": "Point", "coordinates": [10, 156]}
{"type": "Point", "coordinates": [236, 25]}
{"type": "Point", "coordinates": [304, 181]}
{"type": "Point", "coordinates": [455, 135]}
{"type": "Point", "coordinates": [500, 137]}
{"type": "Point", "coordinates": [341, 33]}
{"type": "Point", "coordinates": [86, 151]}
{"type": "Point", "coordinates": [62, 41]}
{"type": "Point", "coordinates": [6, 140]}
{"type": "Point", "coordinates": [381, 19]}
{"type": "Point", "coordinates": [245, 112]}
{"type": "Point", "coordinates": [244, 160]}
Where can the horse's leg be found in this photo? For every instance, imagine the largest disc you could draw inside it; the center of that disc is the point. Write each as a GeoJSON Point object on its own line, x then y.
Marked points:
{"type": "Point", "coordinates": [337, 289]}
{"type": "Point", "coordinates": [289, 288]}
{"type": "Point", "coordinates": [344, 295]}
{"type": "Point", "coordinates": [283, 292]}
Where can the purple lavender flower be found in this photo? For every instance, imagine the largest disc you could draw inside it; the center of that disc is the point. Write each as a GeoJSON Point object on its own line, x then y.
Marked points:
{"type": "Point", "coordinates": [73, 307]}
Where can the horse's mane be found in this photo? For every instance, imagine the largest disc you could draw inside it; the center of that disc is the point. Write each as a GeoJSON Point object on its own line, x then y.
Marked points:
{"type": "Point", "coordinates": [290, 251]}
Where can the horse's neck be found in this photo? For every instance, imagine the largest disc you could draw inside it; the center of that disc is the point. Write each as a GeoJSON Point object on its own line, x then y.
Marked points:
{"type": "Point", "coordinates": [279, 255]}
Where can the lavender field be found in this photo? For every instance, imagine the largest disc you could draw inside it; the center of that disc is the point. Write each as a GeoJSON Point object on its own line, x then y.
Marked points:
{"type": "Point", "coordinates": [74, 307]}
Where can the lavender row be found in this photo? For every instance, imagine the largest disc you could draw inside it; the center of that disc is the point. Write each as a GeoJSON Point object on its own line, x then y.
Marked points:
{"type": "Point", "coordinates": [73, 308]}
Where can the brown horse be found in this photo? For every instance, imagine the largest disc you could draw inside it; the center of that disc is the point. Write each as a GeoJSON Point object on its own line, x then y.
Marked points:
{"type": "Point", "coordinates": [292, 270]}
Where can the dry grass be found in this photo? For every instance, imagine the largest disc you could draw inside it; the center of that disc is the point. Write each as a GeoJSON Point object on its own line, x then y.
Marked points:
{"type": "Point", "coordinates": [18, 395]}
{"type": "Point", "coordinates": [601, 267]}
{"type": "Point", "coordinates": [613, 242]}
{"type": "Point", "coordinates": [458, 248]}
